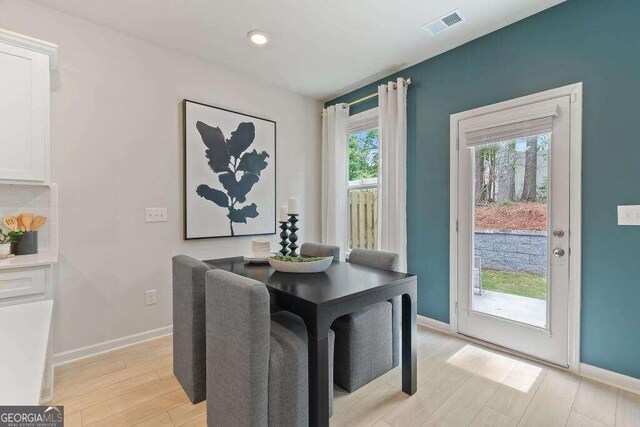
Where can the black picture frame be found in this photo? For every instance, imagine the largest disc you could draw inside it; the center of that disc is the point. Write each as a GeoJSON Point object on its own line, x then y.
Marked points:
{"type": "Point", "coordinates": [185, 189]}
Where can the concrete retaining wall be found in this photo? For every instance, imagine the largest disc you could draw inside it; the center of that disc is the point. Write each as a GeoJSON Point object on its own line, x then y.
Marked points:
{"type": "Point", "coordinates": [511, 250]}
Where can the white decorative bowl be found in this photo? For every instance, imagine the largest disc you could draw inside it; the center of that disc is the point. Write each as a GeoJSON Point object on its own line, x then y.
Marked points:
{"type": "Point", "coordinates": [301, 267]}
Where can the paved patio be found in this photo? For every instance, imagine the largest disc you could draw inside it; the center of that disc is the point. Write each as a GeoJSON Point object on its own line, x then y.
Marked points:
{"type": "Point", "coordinates": [521, 309]}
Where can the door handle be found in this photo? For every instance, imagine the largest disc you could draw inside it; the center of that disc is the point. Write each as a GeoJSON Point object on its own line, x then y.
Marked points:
{"type": "Point", "coordinates": [558, 252]}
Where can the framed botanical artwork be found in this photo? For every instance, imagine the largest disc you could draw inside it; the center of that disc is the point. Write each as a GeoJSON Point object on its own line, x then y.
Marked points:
{"type": "Point", "coordinates": [229, 173]}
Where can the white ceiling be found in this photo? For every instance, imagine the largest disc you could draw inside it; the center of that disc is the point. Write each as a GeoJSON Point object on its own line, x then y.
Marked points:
{"type": "Point", "coordinates": [317, 48]}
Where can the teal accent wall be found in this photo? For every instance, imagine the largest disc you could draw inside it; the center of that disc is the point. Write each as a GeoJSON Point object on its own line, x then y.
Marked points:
{"type": "Point", "coordinates": [596, 42]}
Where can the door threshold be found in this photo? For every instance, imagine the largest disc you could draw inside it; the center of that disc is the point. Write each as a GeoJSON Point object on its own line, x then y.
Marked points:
{"type": "Point", "coordinates": [514, 352]}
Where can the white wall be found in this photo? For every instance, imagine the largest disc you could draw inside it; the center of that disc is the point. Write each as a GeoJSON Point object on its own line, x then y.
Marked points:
{"type": "Point", "coordinates": [117, 141]}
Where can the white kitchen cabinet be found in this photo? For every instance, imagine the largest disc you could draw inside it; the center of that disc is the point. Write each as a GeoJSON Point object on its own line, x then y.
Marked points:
{"type": "Point", "coordinates": [25, 93]}
{"type": "Point", "coordinates": [22, 282]}
{"type": "Point", "coordinates": [27, 281]}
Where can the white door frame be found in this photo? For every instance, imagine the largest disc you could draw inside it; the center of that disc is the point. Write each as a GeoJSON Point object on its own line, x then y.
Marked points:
{"type": "Point", "coordinates": [575, 205]}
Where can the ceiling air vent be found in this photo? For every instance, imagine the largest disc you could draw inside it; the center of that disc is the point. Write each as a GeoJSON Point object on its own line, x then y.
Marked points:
{"type": "Point", "coordinates": [444, 22]}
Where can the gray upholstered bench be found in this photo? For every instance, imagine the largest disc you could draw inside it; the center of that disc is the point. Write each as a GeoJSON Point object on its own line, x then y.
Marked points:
{"type": "Point", "coordinates": [368, 341]}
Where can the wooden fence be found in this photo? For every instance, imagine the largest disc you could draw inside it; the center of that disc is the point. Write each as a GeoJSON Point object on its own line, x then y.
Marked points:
{"type": "Point", "coordinates": [363, 219]}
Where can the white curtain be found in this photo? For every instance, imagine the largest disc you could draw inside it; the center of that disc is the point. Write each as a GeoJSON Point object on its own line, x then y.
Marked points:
{"type": "Point", "coordinates": [392, 181]}
{"type": "Point", "coordinates": [335, 175]}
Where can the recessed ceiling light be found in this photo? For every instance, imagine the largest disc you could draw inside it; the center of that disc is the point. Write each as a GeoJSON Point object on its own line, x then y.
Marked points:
{"type": "Point", "coordinates": [258, 38]}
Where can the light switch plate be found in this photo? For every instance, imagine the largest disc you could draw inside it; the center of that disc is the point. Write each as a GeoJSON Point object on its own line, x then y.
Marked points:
{"type": "Point", "coordinates": [156, 214]}
{"type": "Point", "coordinates": [629, 215]}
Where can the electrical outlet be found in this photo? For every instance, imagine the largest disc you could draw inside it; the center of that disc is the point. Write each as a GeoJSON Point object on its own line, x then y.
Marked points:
{"type": "Point", "coordinates": [150, 297]}
{"type": "Point", "coordinates": [629, 215]}
{"type": "Point", "coordinates": [156, 214]}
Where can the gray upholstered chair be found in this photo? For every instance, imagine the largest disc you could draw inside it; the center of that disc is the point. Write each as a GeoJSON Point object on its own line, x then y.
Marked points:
{"type": "Point", "coordinates": [376, 259]}
{"type": "Point", "coordinates": [189, 364]}
{"type": "Point", "coordinates": [318, 249]}
{"type": "Point", "coordinates": [257, 363]}
{"type": "Point", "coordinates": [368, 341]}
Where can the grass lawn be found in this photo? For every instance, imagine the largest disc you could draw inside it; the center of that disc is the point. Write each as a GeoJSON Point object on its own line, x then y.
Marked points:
{"type": "Point", "coordinates": [523, 284]}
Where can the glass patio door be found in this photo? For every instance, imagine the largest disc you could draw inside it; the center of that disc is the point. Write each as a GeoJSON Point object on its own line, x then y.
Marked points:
{"type": "Point", "coordinates": [513, 220]}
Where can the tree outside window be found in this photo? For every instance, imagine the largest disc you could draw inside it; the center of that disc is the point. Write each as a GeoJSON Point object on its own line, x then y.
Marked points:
{"type": "Point", "coordinates": [363, 197]}
{"type": "Point", "coordinates": [363, 155]}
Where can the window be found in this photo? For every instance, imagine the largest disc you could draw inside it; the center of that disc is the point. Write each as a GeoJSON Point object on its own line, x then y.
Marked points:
{"type": "Point", "coordinates": [362, 203]}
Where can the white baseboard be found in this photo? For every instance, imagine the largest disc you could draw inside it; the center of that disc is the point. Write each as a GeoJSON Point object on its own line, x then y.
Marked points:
{"type": "Point", "coordinates": [106, 346]}
{"type": "Point", "coordinates": [611, 378]}
{"type": "Point", "coordinates": [434, 324]}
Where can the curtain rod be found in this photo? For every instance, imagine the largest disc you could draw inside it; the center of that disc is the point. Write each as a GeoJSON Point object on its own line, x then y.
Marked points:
{"type": "Point", "coordinates": [407, 82]}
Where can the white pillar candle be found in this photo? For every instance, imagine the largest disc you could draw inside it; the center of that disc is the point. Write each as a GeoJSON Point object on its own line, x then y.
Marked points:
{"type": "Point", "coordinates": [283, 214]}
{"type": "Point", "coordinates": [293, 206]}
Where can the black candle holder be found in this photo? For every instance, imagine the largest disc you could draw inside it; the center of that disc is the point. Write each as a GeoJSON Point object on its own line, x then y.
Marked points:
{"type": "Point", "coordinates": [293, 237]}
{"type": "Point", "coordinates": [284, 226]}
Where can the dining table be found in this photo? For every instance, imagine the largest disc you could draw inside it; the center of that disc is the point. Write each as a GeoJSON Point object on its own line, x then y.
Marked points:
{"type": "Point", "coordinates": [320, 298]}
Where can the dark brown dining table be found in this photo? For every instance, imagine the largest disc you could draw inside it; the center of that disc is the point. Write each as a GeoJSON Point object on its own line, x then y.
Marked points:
{"type": "Point", "coordinates": [320, 298]}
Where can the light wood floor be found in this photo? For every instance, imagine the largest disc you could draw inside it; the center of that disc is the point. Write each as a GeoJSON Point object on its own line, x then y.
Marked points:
{"type": "Point", "coordinates": [459, 384]}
